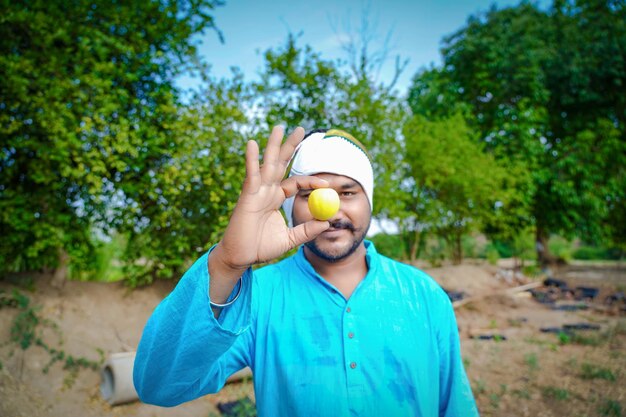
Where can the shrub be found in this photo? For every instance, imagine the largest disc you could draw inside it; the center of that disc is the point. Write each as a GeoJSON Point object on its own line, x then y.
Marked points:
{"type": "Point", "coordinates": [390, 245]}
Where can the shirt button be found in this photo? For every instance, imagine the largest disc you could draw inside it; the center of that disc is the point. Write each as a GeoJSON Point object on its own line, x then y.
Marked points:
{"type": "Point", "coordinates": [348, 310]}
{"type": "Point", "coordinates": [352, 365]}
{"type": "Point", "coordinates": [350, 335]}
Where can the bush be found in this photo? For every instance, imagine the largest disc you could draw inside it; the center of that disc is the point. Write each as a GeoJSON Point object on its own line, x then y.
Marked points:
{"type": "Point", "coordinates": [586, 253]}
{"type": "Point", "coordinates": [492, 254]}
{"type": "Point", "coordinates": [561, 248]}
{"type": "Point", "coordinates": [390, 245]}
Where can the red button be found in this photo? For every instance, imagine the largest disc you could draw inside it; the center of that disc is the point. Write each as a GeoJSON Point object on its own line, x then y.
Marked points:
{"type": "Point", "coordinates": [348, 310]}
{"type": "Point", "coordinates": [353, 365]}
{"type": "Point", "coordinates": [350, 335]}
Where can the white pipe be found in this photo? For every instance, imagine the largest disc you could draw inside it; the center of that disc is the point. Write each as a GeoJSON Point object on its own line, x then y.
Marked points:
{"type": "Point", "coordinates": [117, 378]}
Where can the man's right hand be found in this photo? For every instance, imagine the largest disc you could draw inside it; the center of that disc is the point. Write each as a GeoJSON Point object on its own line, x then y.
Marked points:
{"type": "Point", "coordinates": [257, 231]}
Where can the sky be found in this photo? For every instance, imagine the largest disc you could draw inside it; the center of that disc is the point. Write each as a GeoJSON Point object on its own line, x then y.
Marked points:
{"type": "Point", "coordinates": [250, 27]}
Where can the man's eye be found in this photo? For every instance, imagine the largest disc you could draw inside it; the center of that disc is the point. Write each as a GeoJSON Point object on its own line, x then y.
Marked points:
{"type": "Point", "coordinates": [347, 193]}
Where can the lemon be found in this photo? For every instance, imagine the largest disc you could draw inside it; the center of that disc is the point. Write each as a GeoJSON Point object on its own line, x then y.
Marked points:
{"type": "Point", "coordinates": [323, 203]}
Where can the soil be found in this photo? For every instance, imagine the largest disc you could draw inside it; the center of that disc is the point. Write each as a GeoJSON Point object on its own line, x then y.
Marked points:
{"type": "Point", "coordinates": [515, 369]}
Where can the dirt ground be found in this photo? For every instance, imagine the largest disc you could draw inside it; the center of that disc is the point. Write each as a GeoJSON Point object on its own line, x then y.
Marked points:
{"type": "Point", "coordinates": [516, 371]}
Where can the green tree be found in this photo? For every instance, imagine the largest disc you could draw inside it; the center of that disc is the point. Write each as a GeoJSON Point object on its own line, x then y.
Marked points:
{"type": "Point", "coordinates": [546, 91]}
{"type": "Point", "coordinates": [181, 206]}
{"type": "Point", "coordinates": [87, 106]}
{"type": "Point", "coordinates": [453, 184]}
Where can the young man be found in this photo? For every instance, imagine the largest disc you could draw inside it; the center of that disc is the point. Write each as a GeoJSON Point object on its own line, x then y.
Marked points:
{"type": "Point", "coordinates": [335, 330]}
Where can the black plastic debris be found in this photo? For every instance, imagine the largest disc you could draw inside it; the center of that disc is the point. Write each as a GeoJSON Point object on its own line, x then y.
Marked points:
{"type": "Point", "coordinates": [455, 295]}
{"type": "Point", "coordinates": [586, 293]}
{"type": "Point", "coordinates": [243, 407]}
{"type": "Point", "coordinates": [581, 326]}
{"type": "Point", "coordinates": [615, 298]}
{"type": "Point", "coordinates": [497, 337]}
{"type": "Point", "coordinates": [553, 282]}
{"type": "Point", "coordinates": [555, 330]}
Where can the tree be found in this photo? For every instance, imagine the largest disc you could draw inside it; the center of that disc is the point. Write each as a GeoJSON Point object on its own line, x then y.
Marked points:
{"type": "Point", "coordinates": [546, 91]}
{"type": "Point", "coordinates": [180, 207]}
{"type": "Point", "coordinates": [87, 106]}
{"type": "Point", "coordinates": [453, 184]}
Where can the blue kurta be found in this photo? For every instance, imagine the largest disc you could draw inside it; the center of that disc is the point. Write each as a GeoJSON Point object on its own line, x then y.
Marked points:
{"type": "Point", "coordinates": [391, 349]}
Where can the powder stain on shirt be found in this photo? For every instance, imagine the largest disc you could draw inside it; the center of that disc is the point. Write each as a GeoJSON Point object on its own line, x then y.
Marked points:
{"type": "Point", "coordinates": [401, 391]}
{"type": "Point", "coordinates": [319, 333]}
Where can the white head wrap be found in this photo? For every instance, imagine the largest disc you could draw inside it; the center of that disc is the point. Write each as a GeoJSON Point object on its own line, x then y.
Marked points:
{"type": "Point", "coordinates": [332, 152]}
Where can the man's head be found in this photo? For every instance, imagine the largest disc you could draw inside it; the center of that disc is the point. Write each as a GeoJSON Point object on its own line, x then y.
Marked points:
{"type": "Point", "coordinates": [340, 159]}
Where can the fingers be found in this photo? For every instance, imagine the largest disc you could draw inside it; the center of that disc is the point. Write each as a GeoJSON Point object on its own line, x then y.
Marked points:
{"type": "Point", "coordinates": [293, 184]}
{"type": "Point", "coordinates": [289, 147]}
{"type": "Point", "coordinates": [253, 176]}
{"type": "Point", "coordinates": [273, 145]}
{"type": "Point", "coordinates": [306, 232]}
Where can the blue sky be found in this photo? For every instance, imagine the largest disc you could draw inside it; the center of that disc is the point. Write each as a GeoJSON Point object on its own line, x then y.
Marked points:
{"type": "Point", "coordinates": [251, 27]}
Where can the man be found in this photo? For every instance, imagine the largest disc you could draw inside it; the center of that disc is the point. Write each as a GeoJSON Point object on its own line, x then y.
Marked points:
{"type": "Point", "coordinates": [335, 330]}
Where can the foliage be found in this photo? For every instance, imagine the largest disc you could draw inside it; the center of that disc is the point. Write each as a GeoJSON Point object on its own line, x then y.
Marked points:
{"type": "Point", "coordinates": [390, 245]}
{"type": "Point", "coordinates": [560, 394]}
{"type": "Point", "coordinates": [87, 107]}
{"type": "Point", "coordinates": [26, 331]}
{"type": "Point", "coordinates": [180, 207]}
{"type": "Point", "coordinates": [561, 248]}
{"type": "Point", "coordinates": [545, 90]}
{"type": "Point", "coordinates": [591, 371]}
{"type": "Point", "coordinates": [585, 252]}
{"type": "Point", "coordinates": [610, 408]}
{"type": "Point", "coordinates": [455, 185]}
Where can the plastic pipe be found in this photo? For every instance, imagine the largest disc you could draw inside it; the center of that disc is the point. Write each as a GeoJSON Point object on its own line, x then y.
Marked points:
{"type": "Point", "coordinates": [117, 385]}
{"type": "Point", "coordinates": [117, 379]}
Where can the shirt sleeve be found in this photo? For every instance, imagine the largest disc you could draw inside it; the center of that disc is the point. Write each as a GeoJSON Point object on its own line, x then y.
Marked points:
{"type": "Point", "coordinates": [456, 398]}
{"type": "Point", "coordinates": [185, 352]}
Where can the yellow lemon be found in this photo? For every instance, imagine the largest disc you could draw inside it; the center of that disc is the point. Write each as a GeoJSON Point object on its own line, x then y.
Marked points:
{"type": "Point", "coordinates": [323, 203]}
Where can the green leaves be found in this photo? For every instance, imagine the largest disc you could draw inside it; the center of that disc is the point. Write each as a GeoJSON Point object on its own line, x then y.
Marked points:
{"type": "Point", "coordinates": [87, 105]}
{"type": "Point", "coordinates": [544, 92]}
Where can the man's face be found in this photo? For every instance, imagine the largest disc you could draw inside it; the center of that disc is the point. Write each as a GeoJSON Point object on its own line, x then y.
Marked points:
{"type": "Point", "coordinates": [347, 228]}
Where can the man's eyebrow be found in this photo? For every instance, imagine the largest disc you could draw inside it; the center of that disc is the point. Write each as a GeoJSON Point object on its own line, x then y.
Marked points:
{"type": "Point", "coordinates": [349, 185]}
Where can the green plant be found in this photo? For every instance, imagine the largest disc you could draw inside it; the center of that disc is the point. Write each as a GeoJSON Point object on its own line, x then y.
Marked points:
{"type": "Point", "coordinates": [26, 331]}
{"type": "Point", "coordinates": [595, 253]}
{"type": "Point", "coordinates": [522, 393]}
{"type": "Point", "coordinates": [591, 371]}
{"type": "Point", "coordinates": [494, 400]}
{"type": "Point", "coordinates": [611, 408]}
{"type": "Point", "coordinates": [531, 270]}
{"type": "Point", "coordinates": [530, 359]}
{"type": "Point", "coordinates": [390, 245]}
{"type": "Point", "coordinates": [555, 393]}
{"type": "Point", "coordinates": [479, 387]}
{"type": "Point", "coordinates": [561, 248]}
{"type": "Point", "coordinates": [492, 255]}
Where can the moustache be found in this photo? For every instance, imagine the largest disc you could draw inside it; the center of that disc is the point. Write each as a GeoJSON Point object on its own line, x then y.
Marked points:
{"type": "Point", "coordinates": [343, 225]}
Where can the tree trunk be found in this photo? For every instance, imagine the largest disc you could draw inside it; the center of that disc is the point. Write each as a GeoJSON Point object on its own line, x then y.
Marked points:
{"type": "Point", "coordinates": [544, 257]}
{"type": "Point", "coordinates": [458, 249]}
{"type": "Point", "coordinates": [416, 241]}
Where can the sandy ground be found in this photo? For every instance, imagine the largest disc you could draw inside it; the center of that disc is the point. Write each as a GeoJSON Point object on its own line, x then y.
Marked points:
{"type": "Point", "coordinates": [528, 374]}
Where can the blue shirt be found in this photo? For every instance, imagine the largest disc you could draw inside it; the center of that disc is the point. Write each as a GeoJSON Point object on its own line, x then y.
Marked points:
{"type": "Point", "coordinates": [391, 349]}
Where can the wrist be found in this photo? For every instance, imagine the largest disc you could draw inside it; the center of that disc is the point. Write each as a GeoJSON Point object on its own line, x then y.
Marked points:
{"type": "Point", "coordinates": [222, 266]}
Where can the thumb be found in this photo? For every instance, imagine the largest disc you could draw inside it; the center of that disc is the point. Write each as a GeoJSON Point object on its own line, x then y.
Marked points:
{"type": "Point", "coordinates": [306, 232]}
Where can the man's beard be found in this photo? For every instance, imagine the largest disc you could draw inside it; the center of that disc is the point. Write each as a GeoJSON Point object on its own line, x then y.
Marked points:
{"type": "Point", "coordinates": [334, 257]}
